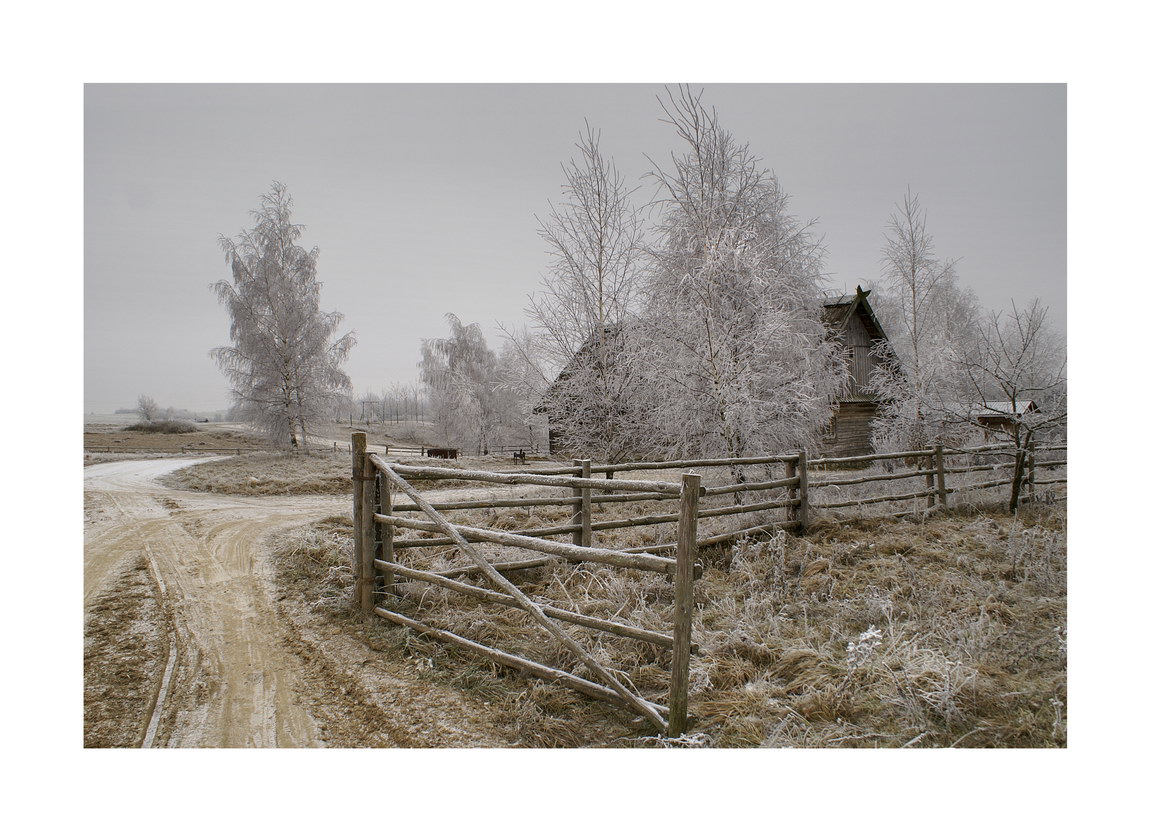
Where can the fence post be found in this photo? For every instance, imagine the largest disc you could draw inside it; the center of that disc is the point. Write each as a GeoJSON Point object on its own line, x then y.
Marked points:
{"type": "Point", "coordinates": [581, 511]}
{"type": "Point", "coordinates": [940, 469]}
{"type": "Point", "coordinates": [790, 471]}
{"type": "Point", "coordinates": [384, 534]}
{"type": "Point", "coordinates": [803, 514]}
{"type": "Point", "coordinates": [921, 462]}
{"type": "Point", "coordinates": [358, 490]}
{"type": "Point", "coordinates": [798, 468]}
{"type": "Point", "coordinates": [685, 553]}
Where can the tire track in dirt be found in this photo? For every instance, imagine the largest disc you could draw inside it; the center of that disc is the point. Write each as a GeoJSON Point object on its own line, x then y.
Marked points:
{"type": "Point", "coordinates": [239, 672]}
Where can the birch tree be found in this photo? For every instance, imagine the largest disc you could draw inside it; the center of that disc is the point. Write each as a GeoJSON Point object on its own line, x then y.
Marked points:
{"type": "Point", "coordinates": [459, 372]}
{"type": "Point", "coordinates": [594, 239]}
{"type": "Point", "coordinates": [283, 364]}
{"type": "Point", "coordinates": [735, 355]}
{"type": "Point", "coordinates": [930, 319]}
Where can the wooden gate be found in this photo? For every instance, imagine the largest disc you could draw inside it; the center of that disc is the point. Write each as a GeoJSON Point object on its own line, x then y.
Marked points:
{"type": "Point", "coordinates": [377, 569]}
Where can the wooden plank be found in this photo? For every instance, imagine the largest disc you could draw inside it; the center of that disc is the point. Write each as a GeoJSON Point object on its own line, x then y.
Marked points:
{"type": "Point", "coordinates": [551, 674]}
{"type": "Point", "coordinates": [534, 502]}
{"type": "Point", "coordinates": [550, 547]}
{"type": "Point", "coordinates": [417, 472]}
{"type": "Point", "coordinates": [692, 463]}
{"type": "Point", "coordinates": [970, 469]}
{"type": "Point", "coordinates": [847, 460]}
{"type": "Point", "coordinates": [786, 482]}
{"type": "Point", "coordinates": [502, 566]}
{"type": "Point", "coordinates": [590, 622]}
{"type": "Point", "coordinates": [883, 498]}
{"type": "Point", "coordinates": [527, 502]}
{"type": "Point", "coordinates": [868, 478]}
{"type": "Point", "coordinates": [977, 485]}
{"type": "Point", "coordinates": [431, 542]}
{"type": "Point", "coordinates": [685, 553]}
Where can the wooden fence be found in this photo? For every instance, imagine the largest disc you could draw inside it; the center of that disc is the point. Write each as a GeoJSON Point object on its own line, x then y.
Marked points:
{"type": "Point", "coordinates": [796, 499]}
{"type": "Point", "coordinates": [376, 518]}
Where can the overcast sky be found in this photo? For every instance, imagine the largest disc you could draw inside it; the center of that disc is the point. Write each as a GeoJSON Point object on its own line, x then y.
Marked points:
{"type": "Point", "coordinates": [423, 200]}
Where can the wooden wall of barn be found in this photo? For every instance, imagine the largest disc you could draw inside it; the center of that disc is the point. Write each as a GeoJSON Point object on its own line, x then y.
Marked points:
{"type": "Point", "coordinates": [851, 430]}
{"type": "Point", "coordinates": [860, 342]}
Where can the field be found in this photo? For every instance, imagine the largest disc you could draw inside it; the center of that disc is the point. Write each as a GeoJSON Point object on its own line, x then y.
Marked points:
{"type": "Point", "coordinates": [949, 632]}
{"type": "Point", "coordinates": [108, 441]}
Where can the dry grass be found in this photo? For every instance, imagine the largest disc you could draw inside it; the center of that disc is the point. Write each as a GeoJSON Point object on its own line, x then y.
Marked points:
{"type": "Point", "coordinates": [162, 426]}
{"type": "Point", "coordinates": [877, 633]}
{"type": "Point", "coordinates": [320, 472]}
{"type": "Point", "coordinates": [267, 473]}
{"type": "Point", "coordinates": [99, 437]}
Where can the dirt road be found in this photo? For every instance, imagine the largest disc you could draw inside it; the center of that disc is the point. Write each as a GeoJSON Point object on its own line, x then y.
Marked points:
{"type": "Point", "coordinates": [187, 646]}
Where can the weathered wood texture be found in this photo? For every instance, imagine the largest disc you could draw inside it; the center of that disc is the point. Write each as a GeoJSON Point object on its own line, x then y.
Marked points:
{"type": "Point", "coordinates": [602, 625]}
{"type": "Point", "coordinates": [685, 553]}
{"type": "Point", "coordinates": [416, 472]}
{"type": "Point", "coordinates": [363, 481]}
{"type": "Point", "coordinates": [533, 609]}
{"type": "Point", "coordinates": [851, 429]}
{"type": "Point", "coordinates": [566, 551]}
{"type": "Point", "coordinates": [543, 671]}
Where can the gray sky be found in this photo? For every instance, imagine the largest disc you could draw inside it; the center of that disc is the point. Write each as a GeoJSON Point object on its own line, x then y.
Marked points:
{"type": "Point", "coordinates": [423, 198]}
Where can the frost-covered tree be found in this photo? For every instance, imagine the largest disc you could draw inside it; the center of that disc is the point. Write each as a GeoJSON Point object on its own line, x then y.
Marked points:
{"type": "Point", "coordinates": [283, 364]}
{"type": "Point", "coordinates": [147, 408]}
{"type": "Point", "coordinates": [459, 373]}
{"type": "Point", "coordinates": [521, 385]}
{"type": "Point", "coordinates": [594, 239]}
{"type": "Point", "coordinates": [930, 319]}
{"type": "Point", "coordinates": [734, 355]}
{"type": "Point", "coordinates": [1015, 359]}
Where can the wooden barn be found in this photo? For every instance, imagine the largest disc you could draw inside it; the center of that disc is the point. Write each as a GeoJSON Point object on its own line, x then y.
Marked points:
{"type": "Point", "coordinates": [848, 318]}
{"type": "Point", "coordinates": [851, 319]}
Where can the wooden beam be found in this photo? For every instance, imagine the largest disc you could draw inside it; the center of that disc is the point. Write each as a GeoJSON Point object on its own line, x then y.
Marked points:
{"type": "Point", "coordinates": [543, 671]}
{"type": "Point", "coordinates": [789, 481]}
{"type": "Point", "coordinates": [685, 553]}
{"type": "Point", "coordinates": [361, 472]}
{"type": "Point", "coordinates": [550, 547]}
{"type": "Point", "coordinates": [603, 625]}
{"type": "Point", "coordinates": [417, 472]}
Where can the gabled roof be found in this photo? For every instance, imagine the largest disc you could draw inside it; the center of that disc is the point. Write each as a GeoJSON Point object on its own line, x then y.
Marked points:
{"type": "Point", "coordinates": [838, 310]}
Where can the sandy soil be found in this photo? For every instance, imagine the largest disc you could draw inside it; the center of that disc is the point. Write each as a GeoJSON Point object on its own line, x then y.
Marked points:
{"type": "Point", "coordinates": [187, 645]}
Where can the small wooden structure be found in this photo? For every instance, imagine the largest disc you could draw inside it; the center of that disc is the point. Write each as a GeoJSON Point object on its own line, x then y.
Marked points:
{"type": "Point", "coordinates": [851, 319]}
{"type": "Point", "coordinates": [1000, 419]}
{"type": "Point", "coordinates": [443, 453]}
